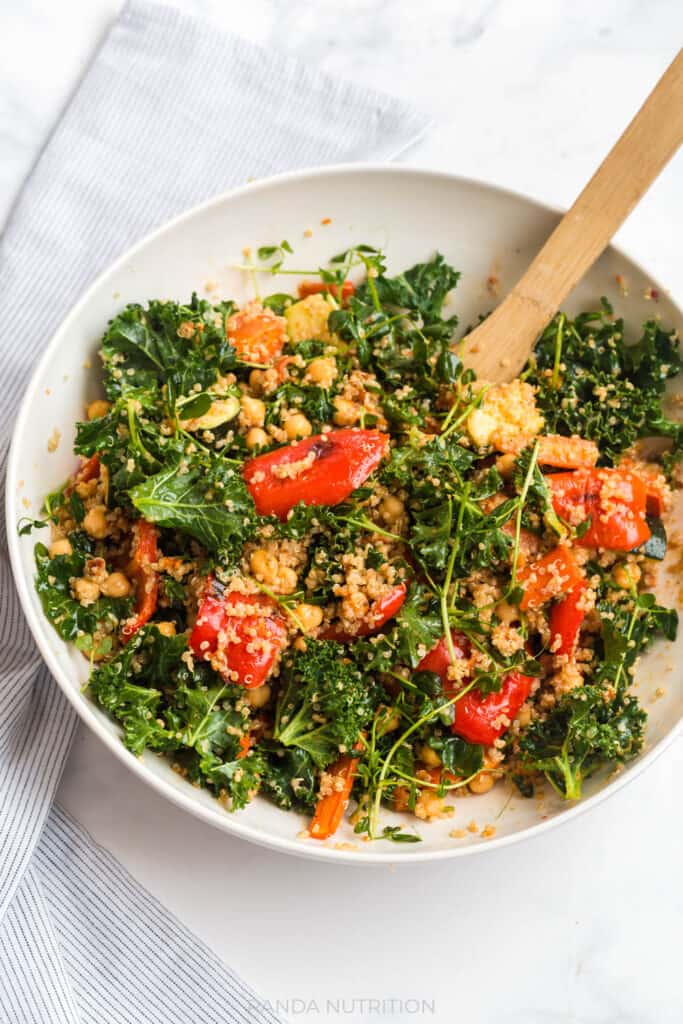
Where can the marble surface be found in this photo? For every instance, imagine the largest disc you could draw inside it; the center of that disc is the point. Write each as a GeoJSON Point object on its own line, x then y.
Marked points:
{"type": "Point", "coordinates": [582, 925]}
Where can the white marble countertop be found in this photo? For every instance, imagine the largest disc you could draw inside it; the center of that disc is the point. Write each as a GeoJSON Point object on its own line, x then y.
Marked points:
{"type": "Point", "coordinates": [582, 925]}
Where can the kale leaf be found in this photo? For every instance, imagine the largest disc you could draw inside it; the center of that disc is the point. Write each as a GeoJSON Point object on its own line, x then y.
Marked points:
{"type": "Point", "coordinates": [582, 733]}
{"type": "Point", "coordinates": [73, 621]}
{"type": "Point", "coordinates": [289, 776]}
{"type": "Point", "coordinates": [324, 703]}
{"type": "Point", "coordinates": [166, 706]}
{"type": "Point", "coordinates": [400, 335]}
{"type": "Point", "coordinates": [591, 382]}
{"type": "Point", "coordinates": [205, 498]}
{"type": "Point", "coordinates": [166, 344]}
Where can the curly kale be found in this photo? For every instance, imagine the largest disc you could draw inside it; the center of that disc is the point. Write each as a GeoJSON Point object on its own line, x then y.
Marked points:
{"type": "Point", "coordinates": [593, 383]}
{"type": "Point", "coordinates": [600, 723]}
{"type": "Point", "coordinates": [324, 703]}
{"type": "Point", "coordinates": [289, 776]}
{"type": "Point", "coordinates": [584, 731]}
{"type": "Point", "coordinates": [165, 706]}
{"type": "Point", "coordinates": [205, 498]}
{"type": "Point", "coordinates": [166, 344]}
{"type": "Point", "coordinates": [75, 622]}
{"type": "Point", "coordinates": [400, 335]}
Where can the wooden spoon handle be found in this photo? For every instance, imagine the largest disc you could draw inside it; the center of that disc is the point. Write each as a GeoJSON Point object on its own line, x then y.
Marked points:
{"type": "Point", "coordinates": [500, 346]}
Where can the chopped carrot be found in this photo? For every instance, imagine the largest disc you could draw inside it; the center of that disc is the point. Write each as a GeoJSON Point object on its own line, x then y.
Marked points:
{"type": "Point", "coordinates": [330, 807]}
{"type": "Point", "coordinates": [245, 744]}
{"type": "Point", "coordinates": [257, 334]}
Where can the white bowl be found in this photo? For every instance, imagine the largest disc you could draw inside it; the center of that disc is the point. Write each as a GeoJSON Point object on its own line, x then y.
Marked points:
{"type": "Point", "coordinates": [483, 231]}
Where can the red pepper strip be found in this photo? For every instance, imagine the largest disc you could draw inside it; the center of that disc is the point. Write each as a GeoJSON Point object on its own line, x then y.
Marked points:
{"type": "Point", "coordinates": [383, 609]}
{"type": "Point", "coordinates": [614, 499]}
{"type": "Point", "coordinates": [566, 618]}
{"type": "Point", "coordinates": [554, 574]}
{"type": "Point", "coordinates": [321, 470]}
{"type": "Point", "coordinates": [477, 717]}
{"type": "Point", "coordinates": [88, 470]}
{"type": "Point", "coordinates": [330, 808]}
{"type": "Point", "coordinates": [144, 554]}
{"type": "Point", "coordinates": [438, 659]}
{"type": "Point", "coordinates": [307, 288]}
{"type": "Point", "coordinates": [241, 634]}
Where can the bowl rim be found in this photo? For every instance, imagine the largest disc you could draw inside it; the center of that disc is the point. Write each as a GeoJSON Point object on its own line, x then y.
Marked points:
{"type": "Point", "coordinates": [231, 823]}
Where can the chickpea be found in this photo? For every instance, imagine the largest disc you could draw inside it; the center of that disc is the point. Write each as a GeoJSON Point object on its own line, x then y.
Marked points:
{"type": "Point", "coordinates": [322, 371]}
{"type": "Point", "coordinates": [428, 756]}
{"type": "Point", "coordinates": [97, 408]}
{"type": "Point", "coordinates": [264, 565]}
{"type": "Point", "coordinates": [166, 628]}
{"type": "Point", "coordinates": [428, 805]}
{"type": "Point", "coordinates": [524, 717]}
{"type": "Point", "coordinates": [253, 411]}
{"type": "Point", "coordinates": [95, 569]}
{"type": "Point", "coordinates": [355, 606]}
{"type": "Point", "coordinates": [86, 591]}
{"type": "Point", "coordinates": [95, 522]}
{"type": "Point", "coordinates": [482, 783]}
{"type": "Point", "coordinates": [309, 616]}
{"type": "Point", "coordinates": [626, 575]}
{"type": "Point", "coordinates": [116, 585]}
{"type": "Point", "coordinates": [505, 464]}
{"type": "Point", "coordinates": [287, 580]}
{"type": "Point", "coordinates": [256, 438]}
{"type": "Point", "coordinates": [506, 612]}
{"type": "Point", "coordinates": [388, 720]}
{"type": "Point", "coordinates": [60, 547]}
{"type": "Point", "coordinates": [256, 381]}
{"type": "Point", "coordinates": [259, 696]}
{"type": "Point", "coordinates": [346, 413]}
{"type": "Point", "coordinates": [391, 509]}
{"type": "Point", "coordinates": [296, 426]}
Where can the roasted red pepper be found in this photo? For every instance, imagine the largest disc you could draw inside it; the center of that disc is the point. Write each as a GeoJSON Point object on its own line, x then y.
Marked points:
{"type": "Point", "coordinates": [477, 718]}
{"type": "Point", "coordinates": [240, 634]}
{"type": "Point", "coordinates": [566, 618]}
{"type": "Point", "coordinates": [382, 610]}
{"type": "Point", "coordinates": [321, 470]}
{"type": "Point", "coordinates": [144, 554]}
{"type": "Point", "coordinates": [614, 499]}
{"type": "Point", "coordinates": [438, 659]}
{"type": "Point", "coordinates": [88, 470]}
{"type": "Point", "coordinates": [307, 288]}
{"type": "Point", "coordinates": [548, 577]}
{"type": "Point", "coordinates": [657, 491]}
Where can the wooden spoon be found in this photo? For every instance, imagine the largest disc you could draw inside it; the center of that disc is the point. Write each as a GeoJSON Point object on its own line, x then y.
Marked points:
{"type": "Point", "coordinates": [501, 345]}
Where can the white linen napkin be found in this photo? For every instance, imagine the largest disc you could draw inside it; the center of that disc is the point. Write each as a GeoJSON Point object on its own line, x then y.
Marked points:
{"type": "Point", "coordinates": [170, 112]}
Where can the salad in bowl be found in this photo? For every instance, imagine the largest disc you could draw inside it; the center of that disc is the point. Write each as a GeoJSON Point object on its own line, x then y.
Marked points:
{"type": "Point", "coordinates": [308, 555]}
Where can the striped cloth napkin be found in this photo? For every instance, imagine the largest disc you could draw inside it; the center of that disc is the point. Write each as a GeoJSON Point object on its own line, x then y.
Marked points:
{"type": "Point", "coordinates": [169, 113]}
